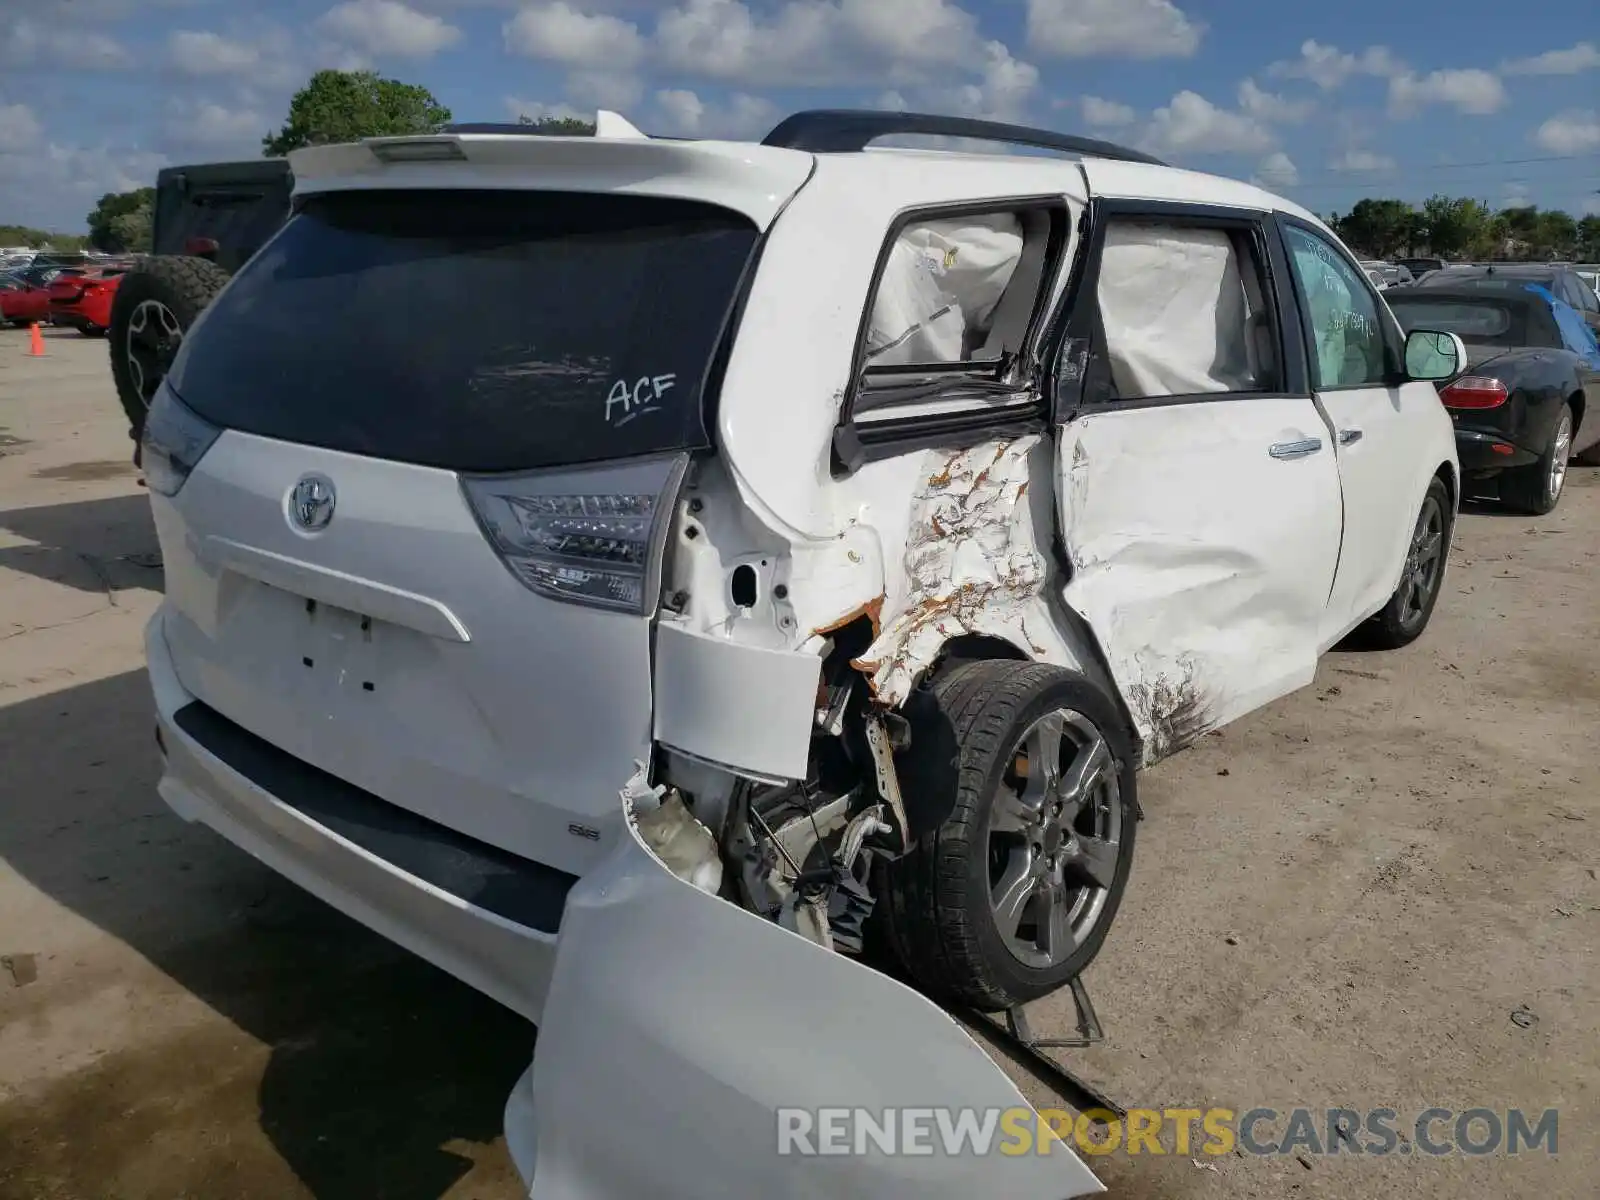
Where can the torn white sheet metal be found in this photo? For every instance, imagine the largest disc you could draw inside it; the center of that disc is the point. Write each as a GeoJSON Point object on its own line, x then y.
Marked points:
{"type": "Point", "coordinates": [741, 706]}
{"type": "Point", "coordinates": [1201, 563]}
{"type": "Point", "coordinates": [972, 564]}
{"type": "Point", "coordinates": [678, 1025]}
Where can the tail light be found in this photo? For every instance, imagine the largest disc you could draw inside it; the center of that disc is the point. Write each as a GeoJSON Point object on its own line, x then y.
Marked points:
{"type": "Point", "coordinates": [175, 438]}
{"type": "Point", "coordinates": [592, 536]}
{"type": "Point", "coordinates": [1474, 391]}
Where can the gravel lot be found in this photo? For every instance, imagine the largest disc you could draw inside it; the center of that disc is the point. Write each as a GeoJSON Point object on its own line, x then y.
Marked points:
{"type": "Point", "coordinates": [1339, 901]}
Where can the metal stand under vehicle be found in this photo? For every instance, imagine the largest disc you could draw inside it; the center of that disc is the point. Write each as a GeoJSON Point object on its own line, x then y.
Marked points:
{"type": "Point", "coordinates": [1017, 1036]}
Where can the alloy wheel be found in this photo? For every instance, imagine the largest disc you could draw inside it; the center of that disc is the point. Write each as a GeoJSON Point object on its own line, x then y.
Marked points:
{"type": "Point", "coordinates": [1560, 452]}
{"type": "Point", "coordinates": [154, 336]}
{"type": "Point", "coordinates": [1054, 833]}
{"type": "Point", "coordinates": [1424, 563]}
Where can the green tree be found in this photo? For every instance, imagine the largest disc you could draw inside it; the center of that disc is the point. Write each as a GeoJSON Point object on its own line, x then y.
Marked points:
{"type": "Point", "coordinates": [345, 106]}
{"type": "Point", "coordinates": [1379, 228]}
{"type": "Point", "coordinates": [40, 239]}
{"type": "Point", "coordinates": [559, 126]}
{"type": "Point", "coordinates": [1458, 227]}
{"type": "Point", "coordinates": [1589, 239]}
{"type": "Point", "coordinates": [1556, 235]}
{"type": "Point", "coordinates": [133, 229]}
{"type": "Point", "coordinates": [103, 233]}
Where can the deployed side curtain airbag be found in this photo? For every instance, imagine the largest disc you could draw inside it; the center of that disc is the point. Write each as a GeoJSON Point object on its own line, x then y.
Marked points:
{"type": "Point", "coordinates": [940, 287]}
{"type": "Point", "coordinates": [1173, 306]}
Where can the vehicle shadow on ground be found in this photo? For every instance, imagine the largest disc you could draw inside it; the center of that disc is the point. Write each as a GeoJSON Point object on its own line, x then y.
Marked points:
{"type": "Point", "coordinates": [377, 1061]}
{"type": "Point", "coordinates": [94, 545]}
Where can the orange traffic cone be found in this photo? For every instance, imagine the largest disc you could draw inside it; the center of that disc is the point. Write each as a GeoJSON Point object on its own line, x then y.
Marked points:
{"type": "Point", "coordinates": [35, 341]}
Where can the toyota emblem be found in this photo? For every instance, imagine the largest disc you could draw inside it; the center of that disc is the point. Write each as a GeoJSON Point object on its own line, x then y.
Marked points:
{"type": "Point", "coordinates": [311, 503]}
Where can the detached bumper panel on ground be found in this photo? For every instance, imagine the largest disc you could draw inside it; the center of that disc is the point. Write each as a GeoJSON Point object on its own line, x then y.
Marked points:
{"type": "Point", "coordinates": [679, 1025]}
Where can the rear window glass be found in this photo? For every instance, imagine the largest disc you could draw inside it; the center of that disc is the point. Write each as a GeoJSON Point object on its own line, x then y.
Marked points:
{"type": "Point", "coordinates": [1489, 323]}
{"type": "Point", "coordinates": [475, 331]}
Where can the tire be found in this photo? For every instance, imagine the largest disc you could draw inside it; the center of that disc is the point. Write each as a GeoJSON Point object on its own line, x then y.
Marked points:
{"type": "Point", "coordinates": [156, 303]}
{"type": "Point", "coordinates": [970, 732]}
{"type": "Point", "coordinates": [1402, 620]}
{"type": "Point", "coordinates": [1536, 489]}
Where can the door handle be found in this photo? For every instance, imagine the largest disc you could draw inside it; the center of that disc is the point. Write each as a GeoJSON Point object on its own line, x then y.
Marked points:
{"type": "Point", "coordinates": [1349, 437]}
{"type": "Point", "coordinates": [1300, 449]}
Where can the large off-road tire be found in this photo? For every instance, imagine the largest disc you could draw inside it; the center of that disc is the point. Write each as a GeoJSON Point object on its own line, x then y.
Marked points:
{"type": "Point", "coordinates": [1020, 784]}
{"type": "Point", "coordinates": [1401, 621]}
{"type": "Point", "coordinates": [1536, 489]}
{"type": "Point", "coordinates": [156, 302]}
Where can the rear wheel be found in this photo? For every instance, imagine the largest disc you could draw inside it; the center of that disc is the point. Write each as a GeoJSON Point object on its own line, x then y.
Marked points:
{"type": "Point", "coordinates": [1402, 620]}
{"type": "Point", "coordinates": [154, 307]}
{"type": "Point", "coordinates": [1011, 887]}
{"type": "Point", "coordinates": [1537, 488]}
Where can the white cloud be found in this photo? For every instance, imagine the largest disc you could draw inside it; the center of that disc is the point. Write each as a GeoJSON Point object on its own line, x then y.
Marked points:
{"type": "Point", "coordinates": [1362, 162]}
{"type": "Point", "coordinates": [1191, 124]}
{"type": "Point", "coordinates": [29, 43]}
{"type": "Point", "coordinates": [1271, 106]}
{"type": "Point", "coordinates": [605, 89]}
{"type": "Point", "coordinates": [1471, 91]}
{"type": "Point", "coordinates": [1576, 131]}
{"type": "Point", "coordinates": [208, 126]}
{"type": "Point", "coordinates": [388, 28]}
{"type": "Point", "coordinates": [19, 128]}
{"type": "Point", "coordinates": [816, 42]}
{"type": "Point", "coordinates": [1003, 92]}
{"type": "Point", "coordinates": [1277, 170]}
{"type": "Point", "coordinates": [685, 114]}
{"type": "Point", "coordinates": [199, 53]}
{"type": "Point", "coordinates": [1328, 66]}
{"type": "Point", "coordinates": [1106, 114]}
{"type": "Point", "coordinates": [1585, 56]}
{"type": "Point", "coordinates": [1130, 28]}
{"type": "Point", "coordinates": [44, 184]}
{"type": "Point", "coordinates": [558, 32]}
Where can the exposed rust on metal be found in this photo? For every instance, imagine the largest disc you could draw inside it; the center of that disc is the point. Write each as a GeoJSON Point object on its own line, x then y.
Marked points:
{"type": "Point", "coordinates": [872, 610]}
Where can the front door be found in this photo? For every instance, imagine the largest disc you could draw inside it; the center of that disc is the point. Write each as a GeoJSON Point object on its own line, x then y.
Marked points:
{"type": "Point", "coordinates": [1198, 489]}
{"type": "Point", "coordinates": [1379, 420]}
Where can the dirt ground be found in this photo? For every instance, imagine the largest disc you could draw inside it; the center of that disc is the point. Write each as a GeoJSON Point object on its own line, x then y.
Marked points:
{"type": "Point", "coordinates": [1339, 901]}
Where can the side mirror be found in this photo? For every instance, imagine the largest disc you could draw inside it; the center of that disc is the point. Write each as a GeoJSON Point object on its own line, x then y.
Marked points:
{"type": "Point", "coordinates": [1433, 356]}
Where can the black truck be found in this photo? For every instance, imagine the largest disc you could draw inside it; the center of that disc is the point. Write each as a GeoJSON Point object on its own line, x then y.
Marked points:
{"type": "Point", "coordinates": [208, 220]}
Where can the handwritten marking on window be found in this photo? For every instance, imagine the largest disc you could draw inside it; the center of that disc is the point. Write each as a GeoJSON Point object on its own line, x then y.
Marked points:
{"type": "Point", "coordinates": [642, 397]}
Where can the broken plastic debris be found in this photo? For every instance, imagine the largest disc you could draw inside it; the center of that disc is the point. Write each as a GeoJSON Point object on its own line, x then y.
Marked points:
{"type": "Point", "coordinates": [684, 846]}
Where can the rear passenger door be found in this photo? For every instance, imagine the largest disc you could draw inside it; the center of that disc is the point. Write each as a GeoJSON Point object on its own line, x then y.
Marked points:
{"type": "Point", "coordinates": [1381, 421]}
{"type": "Point", "coordinates": [1198, 491]}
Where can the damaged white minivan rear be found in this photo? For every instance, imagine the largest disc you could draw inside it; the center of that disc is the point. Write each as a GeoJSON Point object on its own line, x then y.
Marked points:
{"type": "Point", "coordinates": [667, 583]}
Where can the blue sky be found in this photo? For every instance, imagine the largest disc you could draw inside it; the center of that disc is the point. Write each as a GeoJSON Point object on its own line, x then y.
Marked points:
{"type": "Point", "coordinates": [1323, 102]}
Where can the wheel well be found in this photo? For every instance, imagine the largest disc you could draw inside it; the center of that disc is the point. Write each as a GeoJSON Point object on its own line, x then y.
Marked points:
{"type": "Point", "coordinates": [1577, 402]}
{"type": "Point", "coordinates": [970, 647]}
{"type": "Point", "coordinates": [1447, 474]}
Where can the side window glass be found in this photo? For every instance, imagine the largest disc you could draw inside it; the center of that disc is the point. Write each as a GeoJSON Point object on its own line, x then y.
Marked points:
{"type": "Point", "coordinates": [958, 290]}
{"type": "Point", "coordinates": [1183, 311]}
{"type": "Point", "coordinates": [1346, 327]}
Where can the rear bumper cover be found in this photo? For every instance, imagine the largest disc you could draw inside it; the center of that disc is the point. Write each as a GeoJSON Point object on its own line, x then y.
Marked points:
{"type": "Point", "coordinates": [317, 842]}
{"type": "Point", "coordinates": [1482, 451]}
{"type": "Point", "coordinates": [680, 1035]}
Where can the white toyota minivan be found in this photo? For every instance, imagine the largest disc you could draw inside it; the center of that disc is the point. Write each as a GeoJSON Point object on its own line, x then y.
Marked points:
{"type": "Point", "coordinates": [639, 575]}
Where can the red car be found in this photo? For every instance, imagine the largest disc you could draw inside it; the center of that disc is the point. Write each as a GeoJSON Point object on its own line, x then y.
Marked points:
{"type": "Point", "coordinates": [24, 299]}
{"type": "Point", "coordinates": [82, 299]}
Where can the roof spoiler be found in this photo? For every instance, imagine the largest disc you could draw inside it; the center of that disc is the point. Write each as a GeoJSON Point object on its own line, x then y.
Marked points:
{"type": "Point", "coordinates": [834, 130]}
